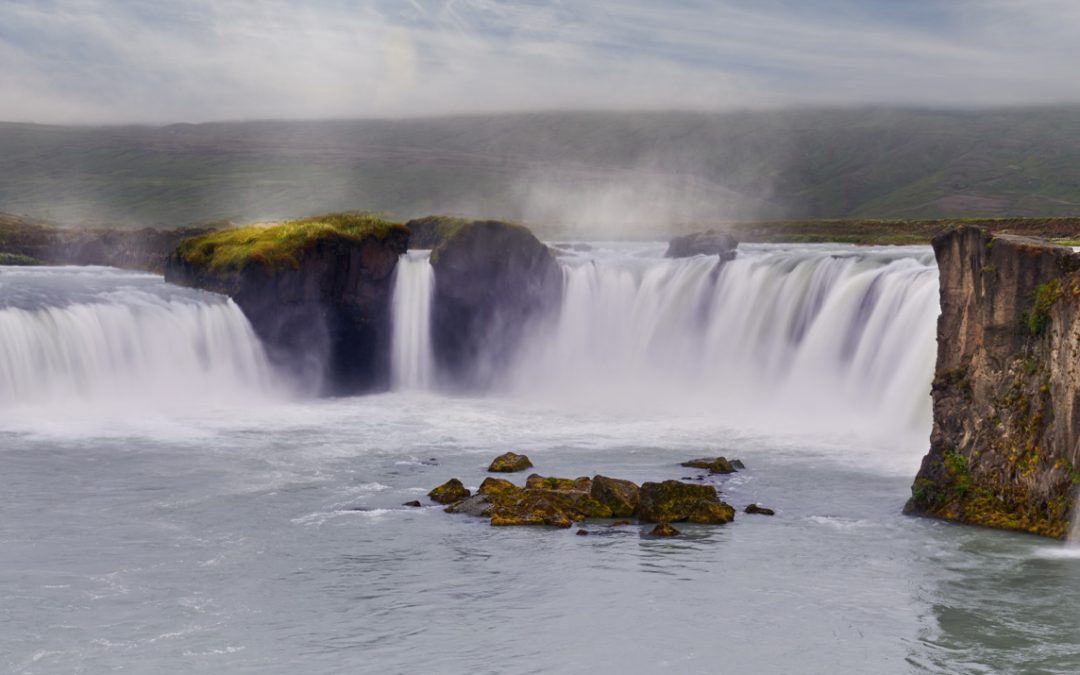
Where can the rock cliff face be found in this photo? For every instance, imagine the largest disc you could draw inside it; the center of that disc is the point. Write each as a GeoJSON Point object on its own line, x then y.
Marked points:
{"type": "Point", "coordinates": [1004, 448]}
{"type": "Point", "coordinates": [327, 319]}
{"type": "Point", "coordinates": [710, 242]}
{"type": "Point", "coordinates": [492, 281]}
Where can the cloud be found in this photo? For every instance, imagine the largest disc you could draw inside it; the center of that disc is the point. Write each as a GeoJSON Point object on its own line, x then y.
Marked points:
{"type": "Point", "coordinates": [194, 60]}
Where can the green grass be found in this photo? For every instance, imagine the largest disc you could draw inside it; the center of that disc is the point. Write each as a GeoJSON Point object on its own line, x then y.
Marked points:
{"type": "Point", "coordinates": [279, 246]}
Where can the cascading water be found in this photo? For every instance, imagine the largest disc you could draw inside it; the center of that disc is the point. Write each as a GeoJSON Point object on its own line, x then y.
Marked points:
{"type": "Point", "coordinates": [99, 335]}
{"type": "Point", "coordinates": [830, 337]}
{"type": "Point", "coordinates": [413, 364]}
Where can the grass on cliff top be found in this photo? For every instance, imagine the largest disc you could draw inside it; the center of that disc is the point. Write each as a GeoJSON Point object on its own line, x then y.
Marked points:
{"type": "Point", "coordinates": [278, 246]}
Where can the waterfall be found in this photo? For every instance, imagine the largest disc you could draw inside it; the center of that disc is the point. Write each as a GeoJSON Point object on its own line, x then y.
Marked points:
{"type": "Point", "coordinates": [834, 336]}
{"type": "Point", "coordinates": [94, 334]}
{"type": "Point", "coordinates": [414, 284]}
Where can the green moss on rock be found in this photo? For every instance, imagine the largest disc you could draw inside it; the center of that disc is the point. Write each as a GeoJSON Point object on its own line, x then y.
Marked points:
{"type": "Point", "coordinates": [449, 492]}
{"type": "Point", "coordinates": [280, 246]}
{"type": "Point", "coordinates": [510, 462]}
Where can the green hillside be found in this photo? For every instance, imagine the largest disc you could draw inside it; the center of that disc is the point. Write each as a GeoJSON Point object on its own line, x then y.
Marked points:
{"type": "Point", "coordinates": [639, 171]}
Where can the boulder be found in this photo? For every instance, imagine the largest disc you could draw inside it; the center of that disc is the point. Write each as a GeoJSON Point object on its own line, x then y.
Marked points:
{"type": "Point", "coordinates": [621, 496]}
{"type": "Point", "coordinates": [449, 492]}
{"type": "Point", "coordinates": [538, 482]}
{"type": "Point", "coordinates": [478, 505]}
{"type": "Point", "coordinates": [497, 486]}
{"type": "Point", "coordinates": [674, 501]}
{"type": "Point", "coordinates": [664, 530]}
{"type": "Point", "coordinates": [713, 464]}
{"type": "Point", "coordinates": [710, 242]}
{"type": "Point", "coordinates": [510, 462]}
{"type": "Point", "coordinates": [760, 510]}
{"type": "Point", "coordinates": [530, 509]}
{"type": "Point", "coordinates": [494, 282]}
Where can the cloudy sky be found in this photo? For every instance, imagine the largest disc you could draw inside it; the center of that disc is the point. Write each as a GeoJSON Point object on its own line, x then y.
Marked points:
{"type": "Point", "coordinates": [196, 60]}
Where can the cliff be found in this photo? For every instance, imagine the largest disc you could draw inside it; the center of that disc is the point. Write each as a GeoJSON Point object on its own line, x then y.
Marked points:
{"type": "Point", "coordinates": [492, 281]}
{"type": "Point", "coordinates": [1004, 447]}
{"type": "Point", "coordinates": [318, 292]}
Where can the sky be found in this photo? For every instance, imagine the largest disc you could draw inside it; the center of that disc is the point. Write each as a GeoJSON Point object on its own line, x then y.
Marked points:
{"type": "Point", "coordinates": [162, 61]}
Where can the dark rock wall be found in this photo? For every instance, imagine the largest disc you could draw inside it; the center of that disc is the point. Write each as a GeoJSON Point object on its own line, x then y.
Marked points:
{"type": "Point", "coordinates": [493, 282]}
{"type": "Point", "coordinates": [328, 323]}
{"type": "Point", "coordinates": [1003, 451]}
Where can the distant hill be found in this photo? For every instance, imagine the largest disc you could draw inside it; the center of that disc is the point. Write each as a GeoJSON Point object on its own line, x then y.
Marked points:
{"type": "Point", "coordinates": [633, 171]}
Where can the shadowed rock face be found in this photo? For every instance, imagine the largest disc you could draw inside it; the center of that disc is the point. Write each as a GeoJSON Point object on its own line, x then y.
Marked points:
{"type": "Point", "coordinates": [1004, 448]}
{"type": "Point", "coordinates": [327, 322]}
{"type": "Point", "coordinates": [493, 281]}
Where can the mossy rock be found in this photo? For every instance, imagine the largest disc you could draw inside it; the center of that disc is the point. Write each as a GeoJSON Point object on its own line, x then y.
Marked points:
{"type": "Point", "coordinates": [713, 464]}
{"type": "Point", "coordinates": [664, 530]}
{"type": "Point", "coordinates": [280, 246]}
{"type": "Point", "coordinates": [711, 513]}
{"type": "Point", "coordinates": [497, 486]}
{"type": "Point", "coordinates": [621, 496]}
{"type": "Point", "coordinates": [674, 501]}
{"type": "Point", "coordinates": [538, 482]}
{"type": "Point", "coordinates": [449, 492]}
{"type": "Point", "coordinates": [510, 462]}
{"type": "Point", "coordinates": [531, 509]}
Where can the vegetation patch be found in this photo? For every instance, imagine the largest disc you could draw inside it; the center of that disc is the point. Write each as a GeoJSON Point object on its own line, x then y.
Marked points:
{"type": "Point", "coordinates": [279, 246]}
{"type": "Point", "coordinates": [1038, 317]}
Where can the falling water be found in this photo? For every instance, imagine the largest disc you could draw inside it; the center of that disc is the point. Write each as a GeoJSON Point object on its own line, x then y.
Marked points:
{"type": "Point", "coordinates": [94, 334]}
{"type": "Point", "coordinates": [413, 364]}
{"type": "Point", "coordinates": [833, 336]}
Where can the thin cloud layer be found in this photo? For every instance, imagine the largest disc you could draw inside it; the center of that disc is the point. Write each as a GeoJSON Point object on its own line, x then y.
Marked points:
{"type": "Point", "coordinates": [195, 60]}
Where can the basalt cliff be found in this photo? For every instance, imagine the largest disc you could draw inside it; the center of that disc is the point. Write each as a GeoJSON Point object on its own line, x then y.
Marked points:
{"type": "Point", "coordinates": [1006, 393]}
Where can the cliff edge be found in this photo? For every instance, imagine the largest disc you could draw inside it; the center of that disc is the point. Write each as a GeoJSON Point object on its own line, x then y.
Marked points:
{"type": "Point", "coordinates": [1006, 391]}
{"type": "Point", "coordinates": [318, 292]}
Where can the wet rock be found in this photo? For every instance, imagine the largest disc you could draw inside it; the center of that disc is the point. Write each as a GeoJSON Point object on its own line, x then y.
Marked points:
{"type": "Point", "coordinates": [497, 486]}
{"type": "Point", "coordinates": [449, 492]}
{"type": "Point", "coordinates": [510, 462]}
{"type": "Point", "coordinates": [710, 242]}
{"type": "Point", "coordinates": [414, 503]}
{"type": "Point", "coordinates": [760, 510]}
{"type": "Point", "coordinates": [582, 533]}
{"type": "Point", "coordinates": [713, 464]}
{"type": "Point", "coordinates": [538, 482]}
{"type": "Point", "coordinates": [478, 505]}
{"type": "Point", "coordinates": [621, 496]}
{"type": "Point", "coordinates": [737, 465]}
{"type": "Point", "coordinates": [674, 501]}
{"type": "Point", "coordinates": [530, 509]}
{"type": "Point", "coordinates": [620, 523]}
{"type": "Point", "coordinates": [712, 513]}
{"type": "Point", "coordinates": [664, 530]}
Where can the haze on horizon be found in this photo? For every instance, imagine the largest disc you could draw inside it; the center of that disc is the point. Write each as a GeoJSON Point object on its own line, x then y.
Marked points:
{"type": "Point", "coordinates": [96, 61]}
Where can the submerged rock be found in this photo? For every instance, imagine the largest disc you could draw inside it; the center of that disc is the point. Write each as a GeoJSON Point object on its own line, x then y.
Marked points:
{"type": "Point", "coordinates": [674, 501]}
{"type": "Point", "coordinates": [510, 462]}
{"type": "Point", "coordinates": [760, 510]}
{"type": "Point", "coordinates": [664, 530]}
{"type": "Point", "coordinates": [713, 464]}
{"type": "Point", "coordinates": [621, 496]}
{"type": "Point", "coordinates": [710, 242]}
{"type": "Point", "coordinates": [414, 503]}
{"type": "Point", "coordinates": [737, 465]}
{"type": "Point", "coordinates": [449, 492]}
{"type": "Point", "coordinates": [582, 533]}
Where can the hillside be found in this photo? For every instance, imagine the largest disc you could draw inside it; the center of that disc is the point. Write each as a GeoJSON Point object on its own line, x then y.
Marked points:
{"type": "Point", "coordinates": [634, 171]}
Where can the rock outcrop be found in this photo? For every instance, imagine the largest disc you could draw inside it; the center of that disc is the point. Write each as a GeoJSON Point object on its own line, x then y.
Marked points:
{"type": "Point", "coordinates": [1005, 446]}
{"type": "Point", "coordinates": [510, 462]}
{"type": "Point", "coordinates": [673, 501]}
{"type": "Point", "coordinates": [317, 292]}
{"type": "Point", "coordinates": [449, 492]}
{"type": "Point", "coordinates": [710, 242]}
{"type": "Point", "coordinates": [493, 280]}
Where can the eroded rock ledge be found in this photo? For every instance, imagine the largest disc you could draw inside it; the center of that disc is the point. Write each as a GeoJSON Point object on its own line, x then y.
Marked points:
{"type": "Point", "coordinates": [1004, 447]}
